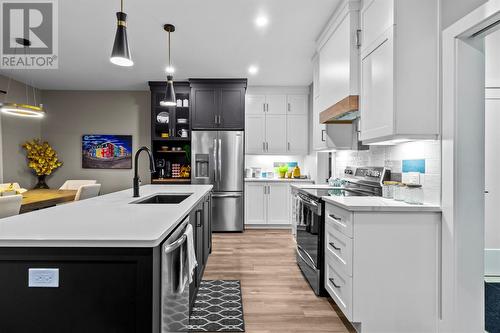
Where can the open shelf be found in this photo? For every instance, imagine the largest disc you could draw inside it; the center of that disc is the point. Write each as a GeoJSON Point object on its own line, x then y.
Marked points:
{"type": "Point", "coordinates": [171, 151]}
{"type": "Point", "coordinates": [173, 138]}
{"type": "Point", "coordinates": [171, 180]}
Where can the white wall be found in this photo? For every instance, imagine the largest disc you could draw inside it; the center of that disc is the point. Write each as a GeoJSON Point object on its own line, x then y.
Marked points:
{"type": "Point", "coordinates": [14, 132]}
{"type": "Point", "coordinates": [391, 157]}
{"type": "Point", "coordinates": [70, 114]}
{"type": "Point", "coordinates": [492, 139]}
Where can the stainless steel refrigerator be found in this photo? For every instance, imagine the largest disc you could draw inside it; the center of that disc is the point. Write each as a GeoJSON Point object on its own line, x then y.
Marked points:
{"type": "Point", "coordinates": [217, 158]}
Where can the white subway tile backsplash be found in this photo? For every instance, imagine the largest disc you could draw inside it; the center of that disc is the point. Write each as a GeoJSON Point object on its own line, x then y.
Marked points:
{"type": "Point", "coordinates": [392, 156]}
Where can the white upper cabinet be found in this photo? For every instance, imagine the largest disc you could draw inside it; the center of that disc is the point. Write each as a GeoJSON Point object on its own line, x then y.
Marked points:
{"type": "Point", "coordinates": [255, 134]}
{"type": "Point", "coordinates": [399, 71]}
{"type": "Point", "coordinates": [276, 104]}
{"type": "Point", "coordinates": [297, 104]}
{"type": "Point", "coordinates": [339, 57]}
{"type": "Point", "coordinates": [377, 16]}
{"type": "Point", "coordinates": [296, 129]}
{"type": "Point", "coordinates": [318, 129]}
{"type": "Point", "coordinates": [336, 76]}
{"type": "Point", "coordinates": [276, 134]}
{"type": "Point", "coordinates": [277, 120]}
{"type": "Point", "coordinates": [255, 104]}
{"type": "Point", "coordinates": [378, 91]}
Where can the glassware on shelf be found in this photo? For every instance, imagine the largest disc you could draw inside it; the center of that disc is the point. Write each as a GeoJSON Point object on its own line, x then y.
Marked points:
{"type": "Point", "coordinates": [415, 194]}
{"type": "Point", "coordinates": [400, 192]}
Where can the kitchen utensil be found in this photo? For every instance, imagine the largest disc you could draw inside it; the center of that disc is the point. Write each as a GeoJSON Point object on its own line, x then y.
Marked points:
{"type": "Point", "coordinates": [163, 117]}
{"type": "Point", "coordinates": [296, 172]}
{"type": "Point", "coordinates": [183, 133]}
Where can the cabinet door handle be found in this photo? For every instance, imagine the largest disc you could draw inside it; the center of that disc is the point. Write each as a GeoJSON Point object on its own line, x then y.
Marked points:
{"type": "Point", "coordinates": [220, 121]}
{"type": "Point", "coordinates": [289, 107]}
{"type": "Point", "coordinates": [263, 146]}
{"type": "Point", "coordinates": [267, 146]}
{"type": "Point", "coordinates": [358, 38]}
{"type": "Point", "coordinates": [323, 135]}
{"type": "Point", "coordinates": [198, 217]}
{"type": "Point", "coordinates": [333, 245]}
{"type": "Point", "coordinates": [288, 146]}
{"type": "Point", "coordinates": [267, 107]}
{"type": "Point", "coordinates": [264, 107]}
{"type": "Point", "coordinates": [335, 217]}
{"type": "Point", "coordinates": [334, 284]}
{"type": "Point", "coordinates": [215, 119]}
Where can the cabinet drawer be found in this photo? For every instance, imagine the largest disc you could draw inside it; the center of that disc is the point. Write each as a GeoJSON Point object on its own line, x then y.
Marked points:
{"type": "Point", "coordinates": [340, 219]}
{"type": "Point", "coordinates": [338, 247]}
{"type": "Point", "coordinates": [339, 286]}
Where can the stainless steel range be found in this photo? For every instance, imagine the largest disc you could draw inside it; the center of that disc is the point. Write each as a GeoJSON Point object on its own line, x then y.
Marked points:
{"type": "Point", "coordinates": [361, 181]}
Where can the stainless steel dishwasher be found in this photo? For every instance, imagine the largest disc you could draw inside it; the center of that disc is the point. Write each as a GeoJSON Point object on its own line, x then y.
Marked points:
{"type": "Point", "coordinates": [175, 281]}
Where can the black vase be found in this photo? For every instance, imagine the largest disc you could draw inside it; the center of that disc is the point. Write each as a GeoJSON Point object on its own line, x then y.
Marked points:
{"type": "Point", "coordinates": [41, 183]}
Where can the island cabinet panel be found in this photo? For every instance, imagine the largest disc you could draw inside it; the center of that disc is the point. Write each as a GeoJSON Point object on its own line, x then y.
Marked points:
{"type": "Point", "coordinates": [100, 290]}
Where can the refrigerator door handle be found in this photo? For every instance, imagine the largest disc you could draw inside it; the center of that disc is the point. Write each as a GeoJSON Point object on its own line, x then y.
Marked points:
{"type": "Point", "coordinates": [215, 161]}
{"type": "Point", "coordinates": [235, 195]}
{"type": "Point", "coordinates": [220, 160]}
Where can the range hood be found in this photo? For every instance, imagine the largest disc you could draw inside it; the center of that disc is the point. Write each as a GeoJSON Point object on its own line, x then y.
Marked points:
{"type": "Point", "coordinates": [342, 124]}
{"type": "Point", "coordinates": [344, 111]}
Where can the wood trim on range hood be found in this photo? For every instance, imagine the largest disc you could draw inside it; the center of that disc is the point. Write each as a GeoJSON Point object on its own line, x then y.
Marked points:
{"type": "Point", "coordinates": [341, 112]}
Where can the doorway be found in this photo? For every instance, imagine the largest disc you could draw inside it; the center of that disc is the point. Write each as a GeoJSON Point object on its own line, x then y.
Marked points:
{"type": "Point", "coordinates": [463, 184]}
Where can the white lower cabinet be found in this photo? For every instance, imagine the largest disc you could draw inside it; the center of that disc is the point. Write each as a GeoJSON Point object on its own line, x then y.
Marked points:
{"type": "Point", "coordinates": [277, 209]}
{"type": "Point", "coordinates": [268, 203]}
{"type": "Point", "coordinates": [381, 268]}
{"type": "Point", "coordinates": [255, 203]}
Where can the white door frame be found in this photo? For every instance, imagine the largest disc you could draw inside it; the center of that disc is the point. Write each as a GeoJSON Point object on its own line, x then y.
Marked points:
{"type": "Point", "coordinates": [462, 292]}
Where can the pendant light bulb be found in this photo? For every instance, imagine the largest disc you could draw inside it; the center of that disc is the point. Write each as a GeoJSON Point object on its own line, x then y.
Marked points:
{"type": "Point", "coordinates": [170, 99]}
{"type": "Point", "coordinates": [121, 52]}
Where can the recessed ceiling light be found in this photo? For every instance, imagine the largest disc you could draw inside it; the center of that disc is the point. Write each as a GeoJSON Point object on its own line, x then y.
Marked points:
{"type": "Point", "coordinates": [261, 21]}
{"type": "Point", "coordinates": [253, 70]}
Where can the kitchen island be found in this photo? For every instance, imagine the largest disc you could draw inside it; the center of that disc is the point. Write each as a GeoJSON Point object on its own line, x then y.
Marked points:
{"type": "Point", "coordinates": [107, 255]}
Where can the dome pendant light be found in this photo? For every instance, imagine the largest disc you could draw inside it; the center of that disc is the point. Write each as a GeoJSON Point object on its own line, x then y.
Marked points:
{"type": "Point", "coordinates": [121, 53]}
{"type": "Point", "coordinates": [170, 93]}
{"type": "Point", "coordinates": [19, 109]}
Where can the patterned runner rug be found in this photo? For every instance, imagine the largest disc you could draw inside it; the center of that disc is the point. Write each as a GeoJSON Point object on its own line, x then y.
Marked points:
{"type": "Point", "coordinates": [218, 307]}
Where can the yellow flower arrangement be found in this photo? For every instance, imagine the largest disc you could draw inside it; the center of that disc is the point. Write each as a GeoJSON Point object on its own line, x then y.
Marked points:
{"type": "Point", "coordinates": [42, 158]}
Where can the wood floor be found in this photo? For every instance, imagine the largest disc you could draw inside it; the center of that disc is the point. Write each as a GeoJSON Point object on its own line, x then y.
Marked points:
{"type": "Point", "coordinates": [276, 297]}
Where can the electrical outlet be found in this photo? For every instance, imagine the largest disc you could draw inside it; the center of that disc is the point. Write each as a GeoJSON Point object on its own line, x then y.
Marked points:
{"type": "Point", "coordinates": [43, 277]}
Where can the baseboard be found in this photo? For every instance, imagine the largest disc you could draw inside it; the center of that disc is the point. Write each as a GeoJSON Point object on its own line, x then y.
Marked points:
{"type": "Point", "coordinates": [267, 226]}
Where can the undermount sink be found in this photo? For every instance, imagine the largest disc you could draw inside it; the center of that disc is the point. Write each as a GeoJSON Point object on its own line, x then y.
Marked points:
{"type": "Point", "coordinates": [164, 199]}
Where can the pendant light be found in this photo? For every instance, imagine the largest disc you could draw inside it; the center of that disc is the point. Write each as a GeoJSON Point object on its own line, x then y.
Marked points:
{"type": "Point", "coordinates": [21, 109]}
{"type": "Point", "coordinates": [121, 53]}
{"type": "Point", "coordinates": [170, 93]}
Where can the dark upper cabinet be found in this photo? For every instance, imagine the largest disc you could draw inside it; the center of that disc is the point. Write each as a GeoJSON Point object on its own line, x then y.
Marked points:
{"type": "Point", "coordinates": [205, 104]}
{"type": "Point", "coordinates": [218, 104]}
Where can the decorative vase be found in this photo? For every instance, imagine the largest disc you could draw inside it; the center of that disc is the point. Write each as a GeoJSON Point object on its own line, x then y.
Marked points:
{"type": "Point", "coordinates": [41, 183]}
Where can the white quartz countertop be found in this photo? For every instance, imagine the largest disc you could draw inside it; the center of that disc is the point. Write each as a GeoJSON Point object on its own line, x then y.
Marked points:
{"type": "Point", "coordinates": [311, 186]}
{"type": "Point", "coordinates": [378, 204]}
{"type": "Point", "coordinates": [285, 180]}
{"type": "Point", "coordinates": [106, 221]}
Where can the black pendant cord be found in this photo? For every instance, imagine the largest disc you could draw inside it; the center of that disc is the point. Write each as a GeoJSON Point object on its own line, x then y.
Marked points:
{"type": "Point", "coordinates": [121, 6]}
{"type": "Point", "coordinates": [169, 62]}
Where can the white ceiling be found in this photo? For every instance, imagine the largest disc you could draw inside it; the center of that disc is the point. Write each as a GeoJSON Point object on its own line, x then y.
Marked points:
{"type": "Point", "coordinates": [213, 38]}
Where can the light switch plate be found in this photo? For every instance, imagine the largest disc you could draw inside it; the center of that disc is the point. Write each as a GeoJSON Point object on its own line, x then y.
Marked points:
{"type": "Point", "coordinates": [43, 277]}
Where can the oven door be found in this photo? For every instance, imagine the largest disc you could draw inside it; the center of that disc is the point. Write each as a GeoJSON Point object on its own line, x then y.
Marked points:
{"type": "Point", "coordinates": [309, 241]}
